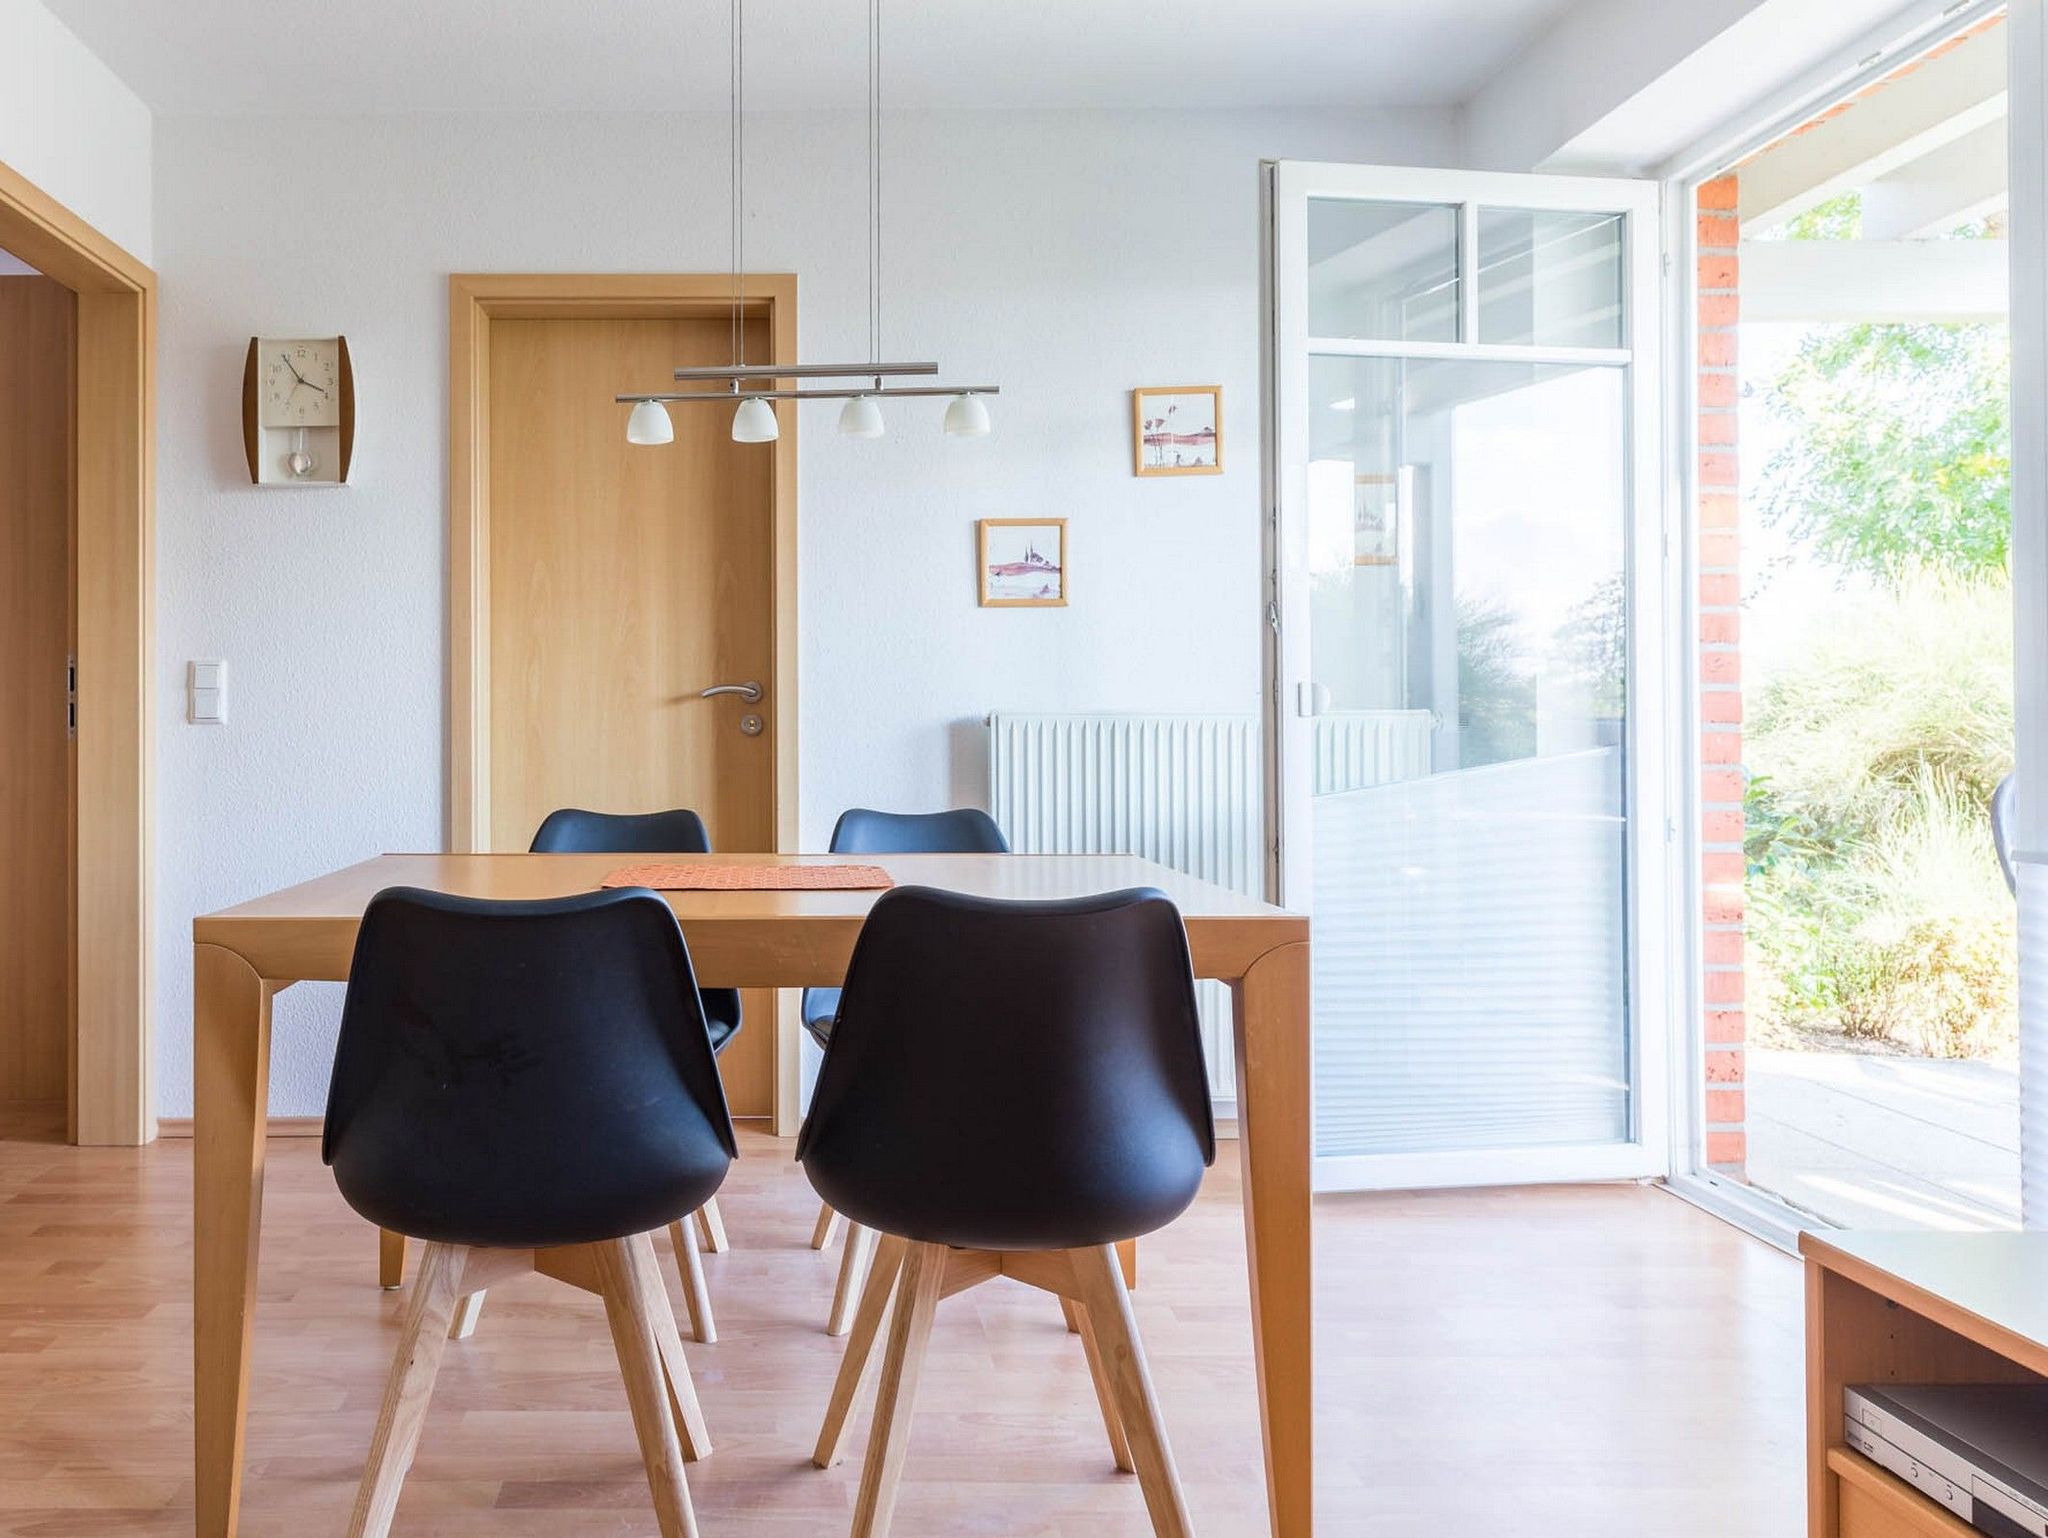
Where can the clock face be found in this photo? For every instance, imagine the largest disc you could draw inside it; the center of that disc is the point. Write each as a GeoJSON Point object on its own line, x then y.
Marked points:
{"type": "Point", "coordinates": [301, 383]}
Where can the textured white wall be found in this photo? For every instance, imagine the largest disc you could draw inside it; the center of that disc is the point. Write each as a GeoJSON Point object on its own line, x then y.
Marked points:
{"type": "Point", "coordinates": [1066, 256]}
{"type": "Point", "coordinates": [69, 125]}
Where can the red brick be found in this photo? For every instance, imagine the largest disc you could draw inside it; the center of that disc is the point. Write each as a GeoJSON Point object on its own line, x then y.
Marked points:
{"type": "Point", "coordinates": [1719, 470]}
{"type": "Point", "coordinates": [1719, 389]}
{"type": "Point", "coordinates": [1722, 629]}
{"type": "Point", "coordinates": [1720, 747]}
{"type": "Point", "coordinates": [1724, 1065]}
{"type": "Point", "coordinates": [1721, 787]}
{"type": "Point", "coordinates": [1720, 549]}
{"type": "Point", "coordinates": [1718, 271]}
{"type": "Point", "coordinates": [1724, 987]}
{"type": "Point", "coordinates": [1721, 707]}
{"type": "Point", "coordinates": [1726, 1026]}
{"type": "Point", "coordinates": [1727, 1149]}
{"type": "Point", "coordinates": [1720, 194]}
{"type": "Point", "coordinates": [1720, 667]}
{"type": "Point", "coordinates": [1717, 427]}
{"type": "Point", "coordinates": [1723, 903]}
{"type": "Point", "coordinates": [1719, 348]}
{"type": "Point", "coordinates": [1720, 590]}
{"type": "Point", "coordinates": [1722, 231]}
{"type": "Point", "coordinates": [1721, 827]}
{"type": "Point", "coordinates": [1719, 310]}
{"type": "Point", "coordinates": [1724, 948]}
{"type": "Point", "coordinates": [1724, 1105]}
{"type": "Point", "coordinates": [1721, 868]}
{"type": "Point", "coordinates": [1719, 510]}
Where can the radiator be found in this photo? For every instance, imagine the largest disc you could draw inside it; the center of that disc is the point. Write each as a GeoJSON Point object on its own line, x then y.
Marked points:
{"type": "Point", "coordinates": [1356, 748]}
{"type": "Point", "coordinates": [1181, 790]}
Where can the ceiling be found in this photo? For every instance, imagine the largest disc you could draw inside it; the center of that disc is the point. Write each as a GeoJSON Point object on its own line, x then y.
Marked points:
{"type": "Point", "coordinates": [280, 57]}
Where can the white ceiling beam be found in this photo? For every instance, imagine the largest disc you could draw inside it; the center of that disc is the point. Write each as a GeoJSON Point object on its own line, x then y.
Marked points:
{"type": "Point", "coordinates": [1916, 281]}
{"type": "Point", "coordinates": [1956, 184]}
{"type": "Point", "coordinates": [1942, 100]}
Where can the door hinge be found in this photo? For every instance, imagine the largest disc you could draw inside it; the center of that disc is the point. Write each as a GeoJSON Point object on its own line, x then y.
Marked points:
{"type": "Point", "coordinates": [71, 697]}
{"type": "Point", "coordinates": [1273, 615]}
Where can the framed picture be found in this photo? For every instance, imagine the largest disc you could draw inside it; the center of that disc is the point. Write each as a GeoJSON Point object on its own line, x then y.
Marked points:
{"type": "Point", "coordinates": [1023, 563]}
{"type": "Point", "coordinates": [1377, 522]}
{"type": "Point", "coordinates": [1177, 430]}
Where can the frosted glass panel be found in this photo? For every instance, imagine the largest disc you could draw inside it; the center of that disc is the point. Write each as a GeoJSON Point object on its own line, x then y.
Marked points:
{"type": "Point", "coordinates": [1383, 271]}
{"type": "Point", "coordinates": [1468, 823]}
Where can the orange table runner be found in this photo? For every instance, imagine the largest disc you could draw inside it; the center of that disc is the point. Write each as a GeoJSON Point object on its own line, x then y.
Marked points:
{"type": "Point", "coordinates": [751, 878]}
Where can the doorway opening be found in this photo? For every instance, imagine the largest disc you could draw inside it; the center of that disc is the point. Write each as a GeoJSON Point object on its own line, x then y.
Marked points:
{"type": "Point", "coordinates": [77, 531]}
{"type": "Point", "coordinates": [1860, 1019]}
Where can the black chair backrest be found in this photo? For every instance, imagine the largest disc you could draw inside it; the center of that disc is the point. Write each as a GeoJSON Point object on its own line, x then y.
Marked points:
{"type": "Point", "coordinates": [964, 830]}
{"type": "Point", "coordinates": [575, 831]}
{"type": "Point", "coordinates": [2002, 800]}
{"type": "Point", "coordinates": [1014, 1075]}
{"type": "Point", "coordinates": [524, 1073]}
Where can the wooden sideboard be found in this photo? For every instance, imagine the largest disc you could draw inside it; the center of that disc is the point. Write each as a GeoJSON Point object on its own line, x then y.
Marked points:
{"type": "Point", "coordinates": [1909, 1308]}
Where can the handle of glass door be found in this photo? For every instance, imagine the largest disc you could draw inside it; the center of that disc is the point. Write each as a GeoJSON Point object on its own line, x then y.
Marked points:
{"type": "Point", "coordinates": [751, 693]}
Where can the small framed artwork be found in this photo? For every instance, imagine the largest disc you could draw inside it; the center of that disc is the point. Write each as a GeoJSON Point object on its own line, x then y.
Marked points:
{"type": "Point", "coordinates": [1177, 430]}
{"type": "Point", "coordinates": [1022, 563]}
{"type": "Point", "coordinates": [1378, 521]}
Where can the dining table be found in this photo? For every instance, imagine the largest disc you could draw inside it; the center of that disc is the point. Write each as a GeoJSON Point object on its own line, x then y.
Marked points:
{"type": "Point", "coordinates": [753, 938]}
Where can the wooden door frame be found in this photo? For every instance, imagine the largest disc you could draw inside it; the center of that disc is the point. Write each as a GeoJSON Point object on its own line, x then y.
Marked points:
{"type": "Point", "coordinates": [112, 1098]}
{"type": "Point", "coordinates": [474, 301]}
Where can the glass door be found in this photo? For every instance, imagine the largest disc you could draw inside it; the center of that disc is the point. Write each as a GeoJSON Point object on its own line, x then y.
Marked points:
{"type": "Point", "coordinates": [1468, 702]}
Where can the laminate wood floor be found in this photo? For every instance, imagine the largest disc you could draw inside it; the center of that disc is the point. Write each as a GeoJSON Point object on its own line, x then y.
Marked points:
{"type": "Point", "coordinates": [1583, 1361]}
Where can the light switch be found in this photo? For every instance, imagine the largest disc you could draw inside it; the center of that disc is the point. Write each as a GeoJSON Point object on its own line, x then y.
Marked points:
{"type": "Point", "coordinates": [206, 693]}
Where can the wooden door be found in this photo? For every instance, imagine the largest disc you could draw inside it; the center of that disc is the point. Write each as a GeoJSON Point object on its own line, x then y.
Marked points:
{"type": "Point", "coordinates": [37, 330]}
{"type": "Point", "coordinates": [624, 580]}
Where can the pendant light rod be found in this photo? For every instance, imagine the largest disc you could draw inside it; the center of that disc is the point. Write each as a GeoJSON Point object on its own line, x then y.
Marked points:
{"type": "Point", "coordinates": [834, 393]}
{"type": "Point", "coordinates": [808, 371]}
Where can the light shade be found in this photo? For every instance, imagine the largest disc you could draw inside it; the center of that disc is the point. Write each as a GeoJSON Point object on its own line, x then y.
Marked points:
{"type": "Point", "coordinates": [861, 417]}
{"type": "Point", "coordinates": [650, 423]}
{"type": "Point", "coordinates": [755, 422]}
{"type": "Point", "coordinates": [967, 417]}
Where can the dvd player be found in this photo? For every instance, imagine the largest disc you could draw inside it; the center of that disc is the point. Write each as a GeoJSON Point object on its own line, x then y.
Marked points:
{"type": "Point", "coordinates": [1980, 1450]}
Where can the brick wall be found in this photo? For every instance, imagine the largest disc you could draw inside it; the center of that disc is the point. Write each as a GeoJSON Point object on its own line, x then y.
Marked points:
{"type": "Point", "coordinates": [1720, 661]}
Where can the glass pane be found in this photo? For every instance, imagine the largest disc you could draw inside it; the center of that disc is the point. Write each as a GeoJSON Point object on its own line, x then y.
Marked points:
{"type": "Point", "coordinates": [1383, 272]}
{"type": "Point", "coordinates": [1468, 656]}
{"type": "Point", "coordinates": [1550, 279]}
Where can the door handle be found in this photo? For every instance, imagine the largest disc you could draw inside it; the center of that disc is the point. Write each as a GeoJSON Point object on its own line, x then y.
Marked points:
{"type": "Point", "coordinates": [751, 693]}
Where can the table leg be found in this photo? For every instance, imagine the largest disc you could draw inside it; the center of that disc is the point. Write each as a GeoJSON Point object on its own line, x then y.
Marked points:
{"type": "Point", "coordinates": [1272, 1017]}
{"type": "Point", "coordinates": [231, 1093]}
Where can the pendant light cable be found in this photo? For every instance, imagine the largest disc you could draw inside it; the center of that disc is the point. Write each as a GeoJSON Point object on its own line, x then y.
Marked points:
{"type": "Point", "coordinates": [875, 179]}
{"type": "Point", "coordinates": [735, 84]}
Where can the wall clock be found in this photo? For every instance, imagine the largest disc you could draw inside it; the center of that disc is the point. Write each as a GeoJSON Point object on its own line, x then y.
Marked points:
{"type": "Point", "coordinates": [298, 410]}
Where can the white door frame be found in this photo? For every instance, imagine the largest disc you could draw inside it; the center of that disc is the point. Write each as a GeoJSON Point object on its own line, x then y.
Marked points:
{"type": "Point", "coordinates": [1655, 987]}
{"type": "Point", "coordinates": [1874, 54]}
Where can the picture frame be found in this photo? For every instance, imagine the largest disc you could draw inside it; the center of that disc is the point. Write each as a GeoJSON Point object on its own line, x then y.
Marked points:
{"type": "Point", "coordinates": [1177, 430]}
{"type": "Point", "coordinates": [1013, 569]}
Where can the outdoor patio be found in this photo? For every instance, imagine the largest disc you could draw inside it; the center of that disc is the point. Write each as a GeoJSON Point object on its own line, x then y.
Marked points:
{"type": "Point", "coordinates": [1881, 1141]}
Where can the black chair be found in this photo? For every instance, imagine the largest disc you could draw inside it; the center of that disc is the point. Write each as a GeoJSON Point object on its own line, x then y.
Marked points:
{"type": "Point", "coordinates": [964, 830]}
{"type": "Point", "coordinates": [1011, 1089]}
{"type": "Point", "coordinates": [528, 1086]}
{"type": "Point", "coordinates": [572, 830]}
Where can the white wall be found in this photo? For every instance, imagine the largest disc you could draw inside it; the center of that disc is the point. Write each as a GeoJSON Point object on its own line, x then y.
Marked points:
{"type": "Point", "coordinates": [1066, 256]}
{"type": "Point", "coordinates": [69, 125]}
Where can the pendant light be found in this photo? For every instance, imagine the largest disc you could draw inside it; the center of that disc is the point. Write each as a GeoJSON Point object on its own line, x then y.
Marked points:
{"type": "Point", "coordinates": [752, 386]}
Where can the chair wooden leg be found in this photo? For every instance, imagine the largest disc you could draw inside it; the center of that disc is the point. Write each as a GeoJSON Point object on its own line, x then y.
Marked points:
{"type": "Point", "coordinates": [853, 1267]}
{"type": "Point", "coordinates": [711, 1228]}
{"type": "Point", "coordinates": [827, 1228]}
{"type": "Point", "coordinates": [1105, 1395]}
{"type": "Point", "coordinates": [860, 1346]}
{"type": "Point", "coordinates": [390, 1260]}
{"type": "Point", "coordinates": [423, 1337]}
{"type": "Point", "coordinates": [924, 1276]}
{"type": "Point", "coordinates": [463, 1325]}
{"type": "Point", "coordinates": [1107, 1305]}
{"type": "Point", "coordinates": [633, 1303]}
{"type": "Point", "coordinates": [696, 1295]}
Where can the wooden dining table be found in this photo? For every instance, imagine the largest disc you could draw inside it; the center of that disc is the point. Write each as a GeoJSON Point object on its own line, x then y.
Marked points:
{"type": "Point", "coordinates": [245, 955]}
